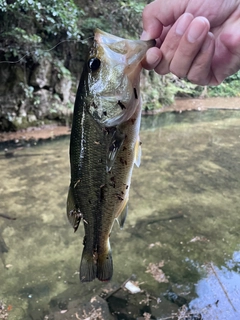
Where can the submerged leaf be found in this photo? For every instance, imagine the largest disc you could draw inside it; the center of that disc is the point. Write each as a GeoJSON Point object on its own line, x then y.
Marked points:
{"type": "Point", "coordinates": [156, 271]}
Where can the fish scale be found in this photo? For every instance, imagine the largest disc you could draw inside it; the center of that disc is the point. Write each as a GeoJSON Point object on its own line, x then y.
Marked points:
{"type": "Point", "coordinates": [104, 146]}
{"type": "Point", "coordinates": [91, 179]}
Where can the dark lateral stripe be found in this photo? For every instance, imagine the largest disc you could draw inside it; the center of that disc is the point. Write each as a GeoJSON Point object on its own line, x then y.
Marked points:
{"type": "Point", "coordinates": [135, 93]}
{"type": "Point", "coordinates": [102, 193]}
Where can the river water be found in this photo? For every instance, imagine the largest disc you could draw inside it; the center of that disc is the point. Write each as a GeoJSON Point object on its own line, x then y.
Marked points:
{"type": "Point", "coordinates": [181, 238]}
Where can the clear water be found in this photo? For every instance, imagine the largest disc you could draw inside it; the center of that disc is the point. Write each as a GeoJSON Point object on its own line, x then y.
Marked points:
{"type": "Point", "coordinates": [183, 211]}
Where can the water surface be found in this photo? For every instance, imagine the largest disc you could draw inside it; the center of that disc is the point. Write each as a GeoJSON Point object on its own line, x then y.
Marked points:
{"type": "Point", "coordinates": [183, 219]}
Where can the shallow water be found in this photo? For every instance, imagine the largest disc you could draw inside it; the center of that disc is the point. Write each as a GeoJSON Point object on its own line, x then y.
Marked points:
{"type": "Point", "coordinates": [183, 213]}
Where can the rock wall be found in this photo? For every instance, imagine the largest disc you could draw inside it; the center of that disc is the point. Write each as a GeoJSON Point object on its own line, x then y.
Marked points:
{"type": "Point", "coordinates": [33, 94]}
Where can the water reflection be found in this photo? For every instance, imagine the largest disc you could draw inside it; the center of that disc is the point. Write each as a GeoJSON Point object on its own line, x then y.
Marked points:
{"type": "Point", "coordinates": [218, 294]}
{"type": "Point", "coordinates": [183, 219]}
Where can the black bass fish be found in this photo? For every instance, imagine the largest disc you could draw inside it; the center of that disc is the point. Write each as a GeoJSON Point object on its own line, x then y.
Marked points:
{"type": "Point", "coordinates": [104, 146]}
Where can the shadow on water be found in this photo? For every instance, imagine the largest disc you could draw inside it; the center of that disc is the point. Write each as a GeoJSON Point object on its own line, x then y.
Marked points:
{"type": "Point", "coordinates": [180, 240]}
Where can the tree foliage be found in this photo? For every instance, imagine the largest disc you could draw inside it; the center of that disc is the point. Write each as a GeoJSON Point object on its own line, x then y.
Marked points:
{"type": "Point", "coordinates": [30, 24]}
{"type": "Point", "coordinates": [230, 87]}
{"type": "Point", "coordinates": [122, 18]}
{"type": "Point", "coordinates": [30, 29]}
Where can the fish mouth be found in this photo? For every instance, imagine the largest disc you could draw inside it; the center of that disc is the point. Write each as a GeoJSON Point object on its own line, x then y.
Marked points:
{"type": "Point", "coordinates": [133, 49]}
{"type": "Point", "coordinates": [121, 63]}
{"type": "Point", "coordinates": [108, 38]}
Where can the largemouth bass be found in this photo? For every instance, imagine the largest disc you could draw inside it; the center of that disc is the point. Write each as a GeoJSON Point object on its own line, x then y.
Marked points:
{"type": "Point", "coordinates": [104, 146]}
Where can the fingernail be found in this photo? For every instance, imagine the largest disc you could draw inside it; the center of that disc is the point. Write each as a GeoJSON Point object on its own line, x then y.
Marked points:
{"type": "Point", "coordinates": [153, 59]}
{"type": "Point", "coordinates": [183, 24]}
{"type": "Point", "coordinates": [207, 41]}
{"type": "Point", "coordinates": [145, 36]}
{"type": "Point", "coordinates": [196, 29]}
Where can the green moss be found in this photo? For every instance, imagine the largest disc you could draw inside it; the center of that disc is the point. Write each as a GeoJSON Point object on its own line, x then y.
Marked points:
{"type": "Point", "coordinates": [226, 89]}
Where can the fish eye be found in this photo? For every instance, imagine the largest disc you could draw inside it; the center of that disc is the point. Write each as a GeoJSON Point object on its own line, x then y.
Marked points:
{"type": "Point", "coordinates": [94, 64]}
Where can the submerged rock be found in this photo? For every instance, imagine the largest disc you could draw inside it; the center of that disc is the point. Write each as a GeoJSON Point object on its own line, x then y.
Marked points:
{"type": "Point", "coordinates": [95, 309]}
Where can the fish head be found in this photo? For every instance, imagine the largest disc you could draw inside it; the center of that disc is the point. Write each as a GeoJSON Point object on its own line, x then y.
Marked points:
{"type": "Point", "coordinates": [113, 77]}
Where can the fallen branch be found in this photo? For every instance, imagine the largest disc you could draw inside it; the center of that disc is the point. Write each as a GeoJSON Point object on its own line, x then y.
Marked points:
{"type": "Point", "coordinates": [7, 217]}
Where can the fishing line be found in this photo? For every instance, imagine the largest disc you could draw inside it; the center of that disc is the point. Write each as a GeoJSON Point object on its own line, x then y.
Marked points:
{"type": "Point", "coordinates": [47, 50]}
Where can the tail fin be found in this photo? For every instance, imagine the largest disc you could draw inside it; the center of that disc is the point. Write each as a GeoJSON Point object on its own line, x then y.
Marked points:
{"type": "Point", "coordinates": [100, 266]}
{"type": "Point", "coordinates": [88, 267]}
{"type": "Point", "coordinates": [105, 267]}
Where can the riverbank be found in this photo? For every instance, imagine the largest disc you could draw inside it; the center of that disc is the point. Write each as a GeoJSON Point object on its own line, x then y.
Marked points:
{"type": "Point", "coordinates": [35, 133]}
{"type": "Point", "coordinates": [180, 105]}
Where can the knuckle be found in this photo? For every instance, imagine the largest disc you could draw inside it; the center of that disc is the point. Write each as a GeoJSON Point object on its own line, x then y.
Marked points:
{"type": "Point", "coordinates": [199, 74]}
{"type": "Point", "coordinates": [170, 47]}
{"type": "Point", "coordinates": [177, 72]}
{"type": "Point", "coordinates": [196, 79]}
{"type": "Point", "coordinates": [160, 70]}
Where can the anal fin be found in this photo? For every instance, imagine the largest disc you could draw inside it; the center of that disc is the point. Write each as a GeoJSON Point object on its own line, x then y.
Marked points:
{"type": "Point", "coordinates": [123, 215]}
{"type": "Point", "coordinates": [122, 212]}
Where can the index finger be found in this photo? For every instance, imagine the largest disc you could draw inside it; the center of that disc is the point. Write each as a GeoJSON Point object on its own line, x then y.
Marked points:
{"type": "Point", "coordinates": [158, 14]}
{"type": "Point", "coordinates": [152, 28]}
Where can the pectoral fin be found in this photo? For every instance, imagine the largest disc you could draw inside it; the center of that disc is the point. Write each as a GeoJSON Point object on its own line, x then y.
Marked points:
{"type": "Point", "coordinates": [74, 215]}
{"type": "Point", "coordinates": [114, 147]}
{"type": "Point", "coordinates": [137, 152]}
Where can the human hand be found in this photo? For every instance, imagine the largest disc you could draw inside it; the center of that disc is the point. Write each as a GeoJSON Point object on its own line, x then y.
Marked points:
{"type": "Point", "coordinates": [200, 42]}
